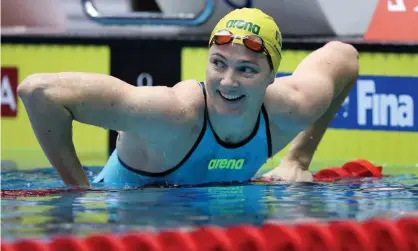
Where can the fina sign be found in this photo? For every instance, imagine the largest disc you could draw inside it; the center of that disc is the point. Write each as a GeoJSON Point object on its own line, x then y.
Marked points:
{"type": "Point", "coordinates": [380, 103]}
{"type": "Point", "coordinates": [9, 91]}
{"type": "Point", "coordinates": [385, 109]}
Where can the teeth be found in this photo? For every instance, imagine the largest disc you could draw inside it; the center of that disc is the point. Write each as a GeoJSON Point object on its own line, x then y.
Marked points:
{"type": "Point", "coordinates": [230, 96]}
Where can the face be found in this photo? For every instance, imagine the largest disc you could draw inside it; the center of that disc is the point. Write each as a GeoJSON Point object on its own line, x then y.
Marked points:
{"type": "Point", "coordinates": [236, 80]}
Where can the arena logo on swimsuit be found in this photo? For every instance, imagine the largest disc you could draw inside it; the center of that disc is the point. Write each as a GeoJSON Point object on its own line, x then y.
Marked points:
{"type": "Point", "coordinates": [243, 25]}
{"type": "Point", "coordinates": [226, 164]}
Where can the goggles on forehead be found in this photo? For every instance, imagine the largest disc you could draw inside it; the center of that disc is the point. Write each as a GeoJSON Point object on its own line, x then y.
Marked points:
{"type": "Point", "coordinates": [252, 42]}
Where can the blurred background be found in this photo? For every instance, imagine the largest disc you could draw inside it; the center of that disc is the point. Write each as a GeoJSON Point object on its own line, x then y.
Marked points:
{"type": "Point", "coordinates": [161, 42]}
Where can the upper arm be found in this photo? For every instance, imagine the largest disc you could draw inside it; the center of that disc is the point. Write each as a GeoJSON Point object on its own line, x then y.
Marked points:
{"type": "Point", "coordinates": [317, 80]}
{"type": "Point", "coordinates": [108, 102]}
{"type": "Point", "coordinates": [329, 68]}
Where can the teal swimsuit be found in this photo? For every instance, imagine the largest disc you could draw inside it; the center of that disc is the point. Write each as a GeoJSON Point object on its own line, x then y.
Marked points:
{"type": "Point", "coordinates": [209, 161]}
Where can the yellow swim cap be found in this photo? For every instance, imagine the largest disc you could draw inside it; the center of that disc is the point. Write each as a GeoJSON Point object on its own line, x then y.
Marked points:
{"type": "Point", "coordinates": [247, 21]}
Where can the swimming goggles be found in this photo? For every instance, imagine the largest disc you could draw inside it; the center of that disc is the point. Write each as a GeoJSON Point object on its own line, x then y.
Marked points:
{"type": "Point", "coordinates": [252, 42]}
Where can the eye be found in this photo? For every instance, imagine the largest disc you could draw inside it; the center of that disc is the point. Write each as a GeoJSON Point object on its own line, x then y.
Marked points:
{"type": "Point", "coordinates": [218, 63]}
{"type": "Point", "coordinates": [247, 69]}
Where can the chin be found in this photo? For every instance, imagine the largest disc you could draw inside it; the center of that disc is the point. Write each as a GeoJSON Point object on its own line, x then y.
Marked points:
{"type": "Point", "coordinates": [228, 112]}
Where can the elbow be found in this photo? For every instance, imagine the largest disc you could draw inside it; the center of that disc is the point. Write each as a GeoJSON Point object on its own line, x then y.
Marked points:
{"type": "Point", "coordinates": [345, 48]}
{"type": "Point", "coordinates": [347, 51]}
{"type": "Point", "coordinates": [349, 57]}
{"type": "Point", "coordinates": [32, 85]}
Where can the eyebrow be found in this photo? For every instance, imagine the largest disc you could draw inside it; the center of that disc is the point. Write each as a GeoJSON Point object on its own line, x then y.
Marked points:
{"type": "Point", "coordinates": [240, 61]}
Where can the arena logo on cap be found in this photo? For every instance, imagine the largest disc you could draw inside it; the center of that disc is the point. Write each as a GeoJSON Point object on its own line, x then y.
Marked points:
{"type": "Point", "coordinates": [244, 25]}
{"type": "Point", "coordinates": [8, 92]}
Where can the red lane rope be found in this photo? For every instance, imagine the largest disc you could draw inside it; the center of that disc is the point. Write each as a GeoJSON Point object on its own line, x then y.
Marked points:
{"type": "Point", "coordinates": [377, 234]}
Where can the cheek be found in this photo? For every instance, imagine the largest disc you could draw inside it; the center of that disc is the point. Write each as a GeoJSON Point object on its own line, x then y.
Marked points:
{"type": "Point", "coordinates": [211, 85]}
{"type": "Point", "coordinates": [257, 91]}
{"type": "Point", "coordinates": [212, 79]}
{"type": "Point", "coordinates": [212, 74]}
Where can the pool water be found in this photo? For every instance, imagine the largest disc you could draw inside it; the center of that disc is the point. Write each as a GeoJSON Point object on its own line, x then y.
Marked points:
{"type": "Point", "coordinates": [119, 210]}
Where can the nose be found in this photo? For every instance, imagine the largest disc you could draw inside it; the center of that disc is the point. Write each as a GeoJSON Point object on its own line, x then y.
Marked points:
{"type": "Point", "coordinates": [228, 80]}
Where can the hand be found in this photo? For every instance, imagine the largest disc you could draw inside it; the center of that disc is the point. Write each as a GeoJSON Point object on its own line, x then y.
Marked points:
{"type": "Point", "coordinates": [288, 171]}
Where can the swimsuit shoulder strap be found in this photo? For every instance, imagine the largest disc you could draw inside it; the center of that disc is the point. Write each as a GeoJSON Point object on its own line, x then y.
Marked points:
{"type": "Point", "coordinates": [202, 85]}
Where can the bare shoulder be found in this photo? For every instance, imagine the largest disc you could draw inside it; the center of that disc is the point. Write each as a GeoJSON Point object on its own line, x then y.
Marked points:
{"type": "Point", "coordinates": [282, 104]}
{"type": "Point", "coordinates": [189, 91]}
{"type": "Point", "coordinates": [190, 95]}
{"type": "Point", "coordinates": [295, 101]}
{"type": "Point", "coordinates": [183, 111]}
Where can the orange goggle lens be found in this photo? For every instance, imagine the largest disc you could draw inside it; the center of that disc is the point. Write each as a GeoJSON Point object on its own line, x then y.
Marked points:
{"type": "Point", "coordinates": [223, 39]}
{"type": "Point", "coordinates": [253, 43]}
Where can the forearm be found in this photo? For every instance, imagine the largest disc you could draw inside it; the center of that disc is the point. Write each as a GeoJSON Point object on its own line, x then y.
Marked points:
{"type": "Point", "coordinates": [304, 145]}
{"type": "Point", "coordinates": [52, 124]}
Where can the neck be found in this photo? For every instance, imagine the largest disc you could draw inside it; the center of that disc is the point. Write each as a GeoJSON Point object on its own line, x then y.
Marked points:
{"type": "Point", "coordinates": [233, 130]}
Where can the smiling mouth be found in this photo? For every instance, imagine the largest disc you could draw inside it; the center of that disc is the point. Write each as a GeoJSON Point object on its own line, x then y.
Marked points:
{"type": "Point", "coordinates": [230, 97]}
